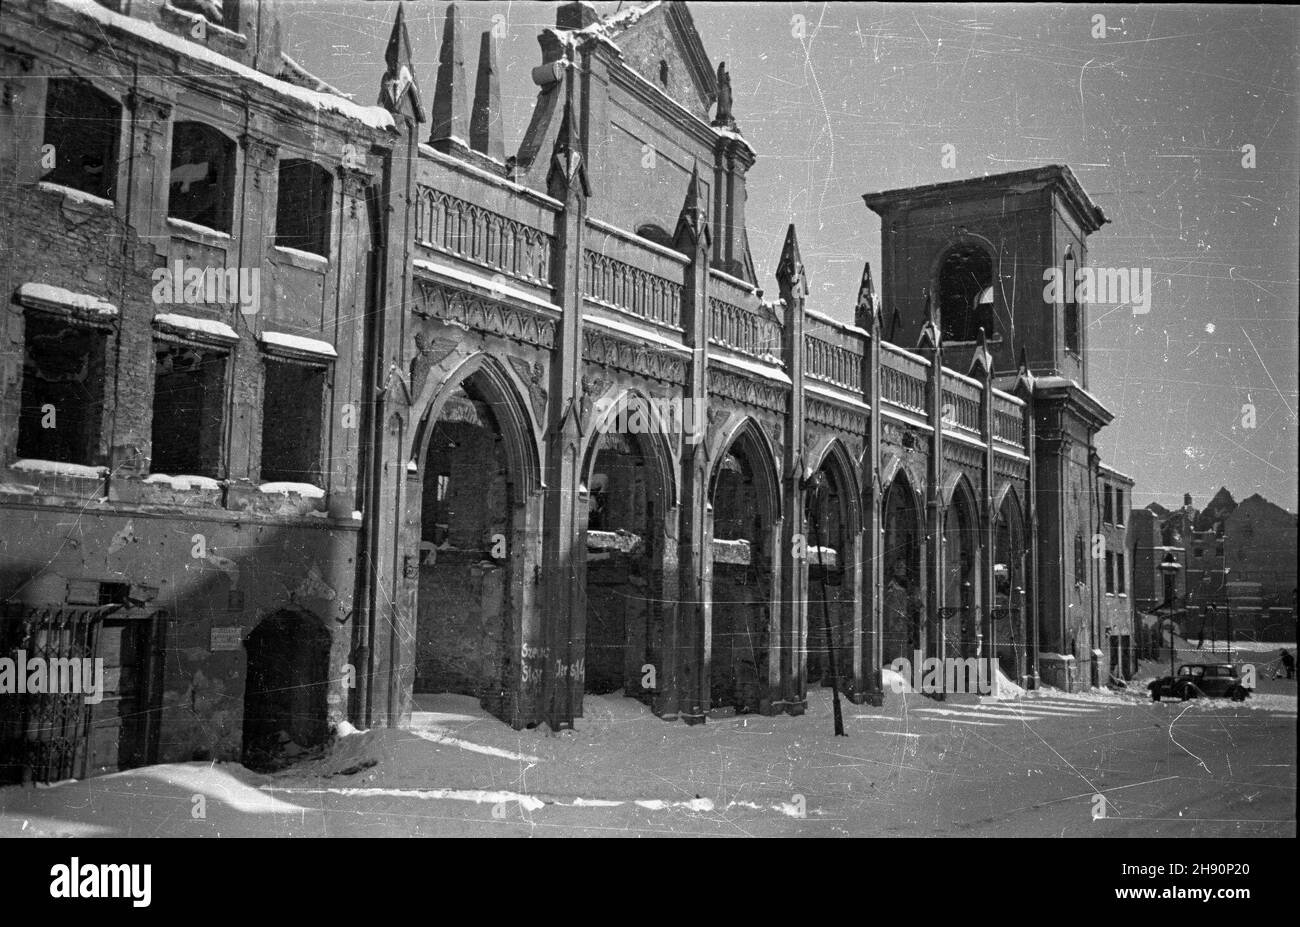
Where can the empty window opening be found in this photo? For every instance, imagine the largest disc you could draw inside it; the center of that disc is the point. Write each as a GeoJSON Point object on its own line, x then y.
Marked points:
{"type": "Point", "coordinates": [656, 233]}
{"type": "Point", "coordinates": [292, 409]}
{"type": "Point", "coordinates": [202, 176]}
{"type": "Point", "coordinates": [189, 397]}
{"type": "Point", "coordinates": [1072, 305]}
{"type": "Point", "coordinates": [1121, 579]}
{"type": "Point", "coordinates": [302, 212]}
{"type": "Point", "coordinates": [966, 293]}
{"type": "Point", "coordinates": [1110, 572]}
{"type": "Point", "coordinates": [81, 130]}
{"type": "Point", "coordinates": [63, 391]}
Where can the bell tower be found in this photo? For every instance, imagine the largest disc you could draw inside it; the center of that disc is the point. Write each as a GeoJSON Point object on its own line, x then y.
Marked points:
{"type": "Point", "coordinates": [982, 248]}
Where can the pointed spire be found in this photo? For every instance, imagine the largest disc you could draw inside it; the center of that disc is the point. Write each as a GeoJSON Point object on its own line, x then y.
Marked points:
{"type": "Point", "coordinates": [1024, 376]}
{"type": "Point", "coordinates": [864, 313]}
{"type": "Point", "coordinates": [930, 337]}
{"type": "Point", "coordinates": [789, 268]}
{"type": "Point", "coordinates": [485, 132]}
{"type": "Point", "coordinates": [449, 105]}
{"type": "Point", "coordinates": [566, 159]}
{"type": "Point", "coordinates": [981, 362]}
{"type": "Point", "coordinates": [691, 224]}
{"type": "Point", "coordinates": [399, 76]}
{"type": "Point", "coordinates": [895, 320]}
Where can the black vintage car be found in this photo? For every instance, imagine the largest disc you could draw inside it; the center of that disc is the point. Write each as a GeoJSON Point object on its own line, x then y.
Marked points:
{"type": "Point", "coordinates": [1215, 680]}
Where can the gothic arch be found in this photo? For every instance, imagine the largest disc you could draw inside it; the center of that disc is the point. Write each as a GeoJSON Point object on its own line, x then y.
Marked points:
{"type": "Point", "coordinates": [654, 444]}
{"type": "Point", "coordinates": [746, 435]}
{"type": "Point", "coordinates": [831, 454]}
{"type": "Point", "coordinates": [500, 388]}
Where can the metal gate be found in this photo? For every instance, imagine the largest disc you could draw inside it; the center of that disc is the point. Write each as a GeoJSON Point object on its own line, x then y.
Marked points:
{"type": "Point", "coordinates": [44, 736]}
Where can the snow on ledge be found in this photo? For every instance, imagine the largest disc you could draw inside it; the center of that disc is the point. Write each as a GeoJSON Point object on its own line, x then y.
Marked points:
{"type": "Point", "coordinates": [77, 196]}
{"type": "Point", "coordinates": [495, 286]}
{"type": "Point", "coordinates": [183, 482]}
{"type": "Point", "coordinates": [196, 229]}
{"type": "Point", "coordinates": [42, 294]}
{"type": "Point", "coordinates": [60, 468]}
{"type": "Point", "coordinates": [306, 490]}
{"type": "Point", "coordinates": [188, 323]}
{"type": "Point", "coordinates": [307, 257]}
{"type": "Point", "coordinates": [298, 344]}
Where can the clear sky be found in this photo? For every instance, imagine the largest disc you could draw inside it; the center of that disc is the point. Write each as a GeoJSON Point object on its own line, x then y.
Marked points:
{"type": "Point", "coordinates": [844, 98]}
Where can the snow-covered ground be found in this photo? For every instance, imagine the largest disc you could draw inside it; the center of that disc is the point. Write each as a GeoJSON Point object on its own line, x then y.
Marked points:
{"type": "Point", "coordinates": [912, 767]}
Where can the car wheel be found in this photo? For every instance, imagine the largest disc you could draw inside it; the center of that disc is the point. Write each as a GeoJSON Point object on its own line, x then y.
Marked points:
{"type": "Point", "coordinates": [1155, 696]}
{"type": "Point", "coordinates": [1238, 694]}
{"type": "Point", "coordinates": [1186, 693]}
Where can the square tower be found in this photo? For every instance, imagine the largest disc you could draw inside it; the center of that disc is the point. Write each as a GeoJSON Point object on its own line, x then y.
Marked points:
{"type": "Point", "coordinates": [981, 249]}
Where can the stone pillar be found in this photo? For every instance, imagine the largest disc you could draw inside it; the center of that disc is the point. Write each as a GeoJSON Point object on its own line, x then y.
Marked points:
{"type": "Point", "coordinates": [564, 602]}
{"type": "Point", "coordinates": [930, 347]}
{"type": "Point", "coordinates": [792, 606]}
{"type": "Point", "coordinates": [688, 628]}
{"type": "Point", "coordinates": [870, 570]}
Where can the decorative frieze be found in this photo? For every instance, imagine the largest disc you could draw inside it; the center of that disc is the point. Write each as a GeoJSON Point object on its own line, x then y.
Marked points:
{"type": "Point", "coordinates": [480, 313]}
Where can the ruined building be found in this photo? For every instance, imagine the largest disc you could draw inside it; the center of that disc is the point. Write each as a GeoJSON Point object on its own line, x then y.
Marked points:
{"type": "Point", "coordinates": [309, 407]}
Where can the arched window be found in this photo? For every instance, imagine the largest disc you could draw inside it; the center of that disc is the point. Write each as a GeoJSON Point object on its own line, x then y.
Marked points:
{"type": "Point", "coordinates": [655, 233]}
{"type": "Point", "coordinates": [202, 176]}
{"type": "Point", "coordinates": [303, 207]}
{"type": "Point", "coordinates": [966, 293]}
{"type": "Point", "coordinates": [81, 128]}
{"type": "Point", "coordinates": [1069, 278]}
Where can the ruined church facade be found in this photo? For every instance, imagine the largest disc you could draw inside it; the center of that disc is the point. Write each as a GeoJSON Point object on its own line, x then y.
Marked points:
{"type": "Point", "coordinates": [524, 428]}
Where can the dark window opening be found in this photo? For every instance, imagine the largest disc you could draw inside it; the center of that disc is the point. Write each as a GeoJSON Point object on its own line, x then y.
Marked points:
{"type": "Point", "coordinates": [189, 396]}
{"type": "Point", "coordinates": [966, 294]}
{"type": "Point", "coordinates": [303, 207]}
{"type": "Point", "coordinates": [81, 125]}
{"type": "Point", "coordinates": [63, 391]}
{"type": "Point", "coordinates": [1108, 514]}
{"type": "Point", "coordinates": [1121, 578]}
{"type": "Point", "coordinates": [1110, 572]}
{"type": "Point", "coordinates": [202, 176]}
{"type": "Point", "coordinates": [292, 406]}
{"type": "Point", "coordinates": [1071, 305]}
{"type": "Point", "coordinates": [1080, 560]}
{"type": "Point", "coordinates": [656, 233]}
{"type": "Point", "coordinates": [1119, 506]}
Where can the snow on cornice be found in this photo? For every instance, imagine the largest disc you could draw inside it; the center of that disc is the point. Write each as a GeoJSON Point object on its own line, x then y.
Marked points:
{"type": "Point", "coordinates": [376, 117]}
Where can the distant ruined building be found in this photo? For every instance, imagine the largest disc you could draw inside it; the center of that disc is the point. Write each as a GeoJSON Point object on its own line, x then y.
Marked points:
{"type": "Point", "coordinates": [405, 464]}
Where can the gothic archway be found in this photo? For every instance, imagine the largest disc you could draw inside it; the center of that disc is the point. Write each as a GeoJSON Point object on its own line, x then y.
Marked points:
{"type": "Point", "coordinates": [745, 500]}
{"type": "Point", "coordinates": [960, 574]}
{"type": "Point", "coordinates": [467, 495]}
{"type": "Point", "coordinates": [628, 475]}
{"type": "Point", "coordinates": [1011, 588]}
{"type": "Point", "coordinates": [904, 630]}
